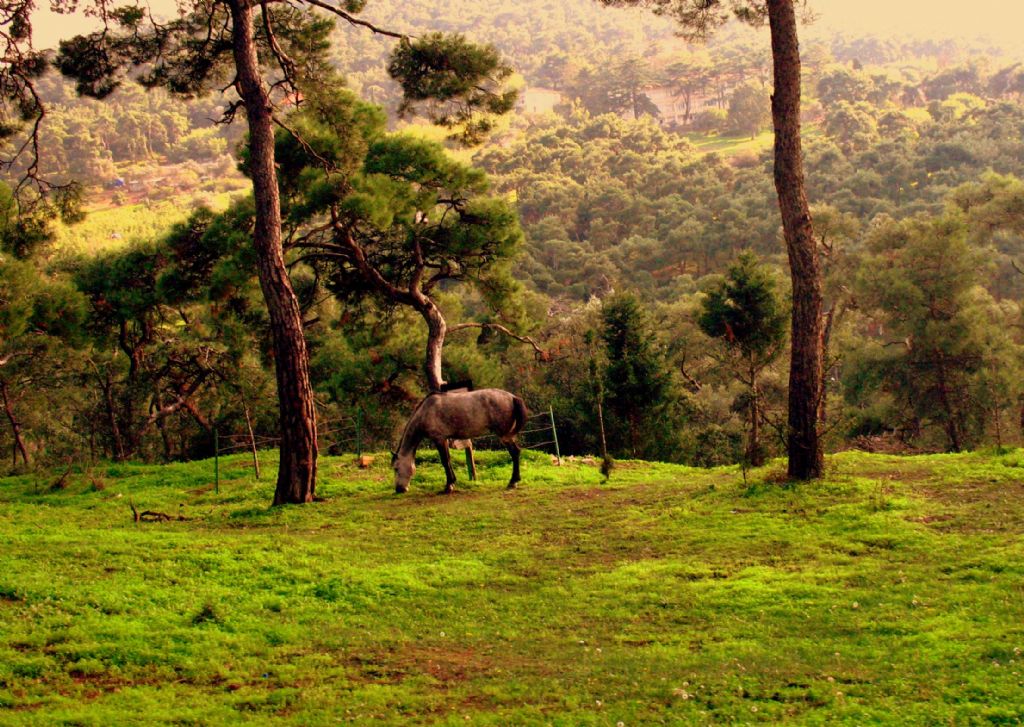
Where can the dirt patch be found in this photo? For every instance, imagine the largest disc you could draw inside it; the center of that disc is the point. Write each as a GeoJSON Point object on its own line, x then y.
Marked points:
{"type": "Point", "coordinates": [974, 493]}
{"type": "Point", "coordinates": [26, 707]}
{"type": "Point", "coordinates": [975, 507]}
{"type": "Point", "coordinates": [927, 519]}
{"type": "Point", "coordinates": [449, 666]}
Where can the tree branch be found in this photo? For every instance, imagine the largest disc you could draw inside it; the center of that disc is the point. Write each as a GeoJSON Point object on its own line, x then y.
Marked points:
{"type": "Point", "coordinates": [352, 20]}
{"type": "Point", "coordinates": [370, 274]}
{"type": "Point", "coordinates": [542, 355]}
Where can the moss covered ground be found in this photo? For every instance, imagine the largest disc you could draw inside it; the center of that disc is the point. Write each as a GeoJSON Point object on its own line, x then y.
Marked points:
{"type": "Point", "coordinates": [892, 592]}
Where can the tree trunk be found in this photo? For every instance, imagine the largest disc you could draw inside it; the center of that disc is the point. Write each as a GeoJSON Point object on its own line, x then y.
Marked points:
{"type": "Point", "coordinates": [828, 323]}
{"type": "Point", "coordinates": [1020, 415]}
{"type": "Point", "coordinates": [755, 457]}
{"type": "Point", "coordinates": [296, 476]}
{"type": "Point", "coordinates": [437, 328]}
{"type": "Point", "coordinates": [805, 373]}
{"type": "Point", "coordinates": [951, 425]}
{"type": "Point", "coordinates": [19, 444]}
{"type": "Point", "coordinates": [161, 425]}
{"type": "Point", "coordinates": [117, 441]}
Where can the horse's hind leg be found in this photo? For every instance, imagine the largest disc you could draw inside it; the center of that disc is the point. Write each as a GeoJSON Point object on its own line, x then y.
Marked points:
{"type": "Point", "coordinates": [514, 450]}
{"type": "Point", "coordinates": [446, 460]}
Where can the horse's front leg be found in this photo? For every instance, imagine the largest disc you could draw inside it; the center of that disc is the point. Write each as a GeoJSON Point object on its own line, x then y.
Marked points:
{"type": "Point", "coordinates": [446, 460]}
{"type": "Point", "coordinates": [514, 450]}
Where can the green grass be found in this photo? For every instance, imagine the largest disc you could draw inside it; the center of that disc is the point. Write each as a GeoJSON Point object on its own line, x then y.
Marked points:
{"type": "Point", "coordinates": [113, 227]}
{"type": "Point", "coordinates": [730, 145]}
{"type": "Point", "coordinates": [891, 592]}
{"type": "Point", "coordinates": [727, 146]}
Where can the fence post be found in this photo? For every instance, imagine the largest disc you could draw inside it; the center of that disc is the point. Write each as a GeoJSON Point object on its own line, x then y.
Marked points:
{"type": "Point", "coordinates": [558, 453]}
{"type": "Point", "coordinates": [359, 432]}
{"type": "Point", "coordinates": [470, 461]}
{"type": "Point", "coordinates": [216, 461]}
{"type": "Point", "coordinates": [252, 441]}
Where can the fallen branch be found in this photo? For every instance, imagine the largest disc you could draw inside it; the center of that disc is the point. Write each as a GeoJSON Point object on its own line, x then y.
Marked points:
{"type": "Point", "coordinates": [152, 516]}
{"type": "Point", "coordinates": [62, 481]}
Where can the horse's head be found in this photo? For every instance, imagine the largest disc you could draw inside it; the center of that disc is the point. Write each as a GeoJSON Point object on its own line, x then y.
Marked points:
{"type": "Point", "coordinates": [405, 468]}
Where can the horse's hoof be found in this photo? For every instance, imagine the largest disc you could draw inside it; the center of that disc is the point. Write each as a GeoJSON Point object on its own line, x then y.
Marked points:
{"type": "Point", "coordinates": [448, 491]}
{"type": "Point", "coordinates": [512, 485]}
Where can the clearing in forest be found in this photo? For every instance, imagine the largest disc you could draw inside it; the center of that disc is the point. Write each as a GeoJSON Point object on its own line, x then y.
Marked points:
{"type": "Point", "coordinates": [891, 592]}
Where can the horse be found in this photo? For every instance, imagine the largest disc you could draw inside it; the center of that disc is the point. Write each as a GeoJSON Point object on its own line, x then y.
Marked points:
{"type": "Point", "coordinates": [459, 415]}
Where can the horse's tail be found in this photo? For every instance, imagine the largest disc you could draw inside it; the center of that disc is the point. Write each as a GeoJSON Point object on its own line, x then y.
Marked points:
{"type": "Point", "coordinates": [519, 414]}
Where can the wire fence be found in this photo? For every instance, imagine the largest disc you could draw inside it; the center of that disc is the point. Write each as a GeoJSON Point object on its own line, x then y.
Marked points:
{"type": "Point", "coordinates": [539, 432]}
{"type": "Point", "coordinates": [345, 434]}
{"type": "Point", "coordinates": [333, 435]}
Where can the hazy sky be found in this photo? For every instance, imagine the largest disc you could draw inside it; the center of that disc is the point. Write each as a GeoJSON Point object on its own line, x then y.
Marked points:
{"type": "Point", "coordinates": [1002, 20]}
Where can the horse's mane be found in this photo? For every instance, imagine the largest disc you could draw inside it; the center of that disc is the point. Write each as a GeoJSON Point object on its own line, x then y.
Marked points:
{"type": "Point", "coordinates": [405, 429]}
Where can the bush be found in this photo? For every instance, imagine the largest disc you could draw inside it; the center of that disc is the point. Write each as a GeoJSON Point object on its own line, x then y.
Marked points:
{"type": "Point", "coordinates": [715, 445]}
{"type": "Point", "coordinates": [709, 120]}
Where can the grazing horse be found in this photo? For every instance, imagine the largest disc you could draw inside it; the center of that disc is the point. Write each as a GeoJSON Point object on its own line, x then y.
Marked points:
{"type": "Point", "coordinates": [459, 415]}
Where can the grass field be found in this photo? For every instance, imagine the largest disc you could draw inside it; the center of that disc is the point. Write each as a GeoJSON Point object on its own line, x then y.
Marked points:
{"type": "Point", "coordinates": [730, 145]}
{"type": "Point", "coordinates": [107, 228]}
{"type": "Point", "coordinates": [892, 592]}
{"type": "Point", "coordinates": [727, 146]}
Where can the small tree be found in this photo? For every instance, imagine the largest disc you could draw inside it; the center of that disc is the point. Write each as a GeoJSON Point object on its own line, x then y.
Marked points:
{"type": "Point", "coordinates": [636, 379]}
{"type": "Point", "coordinates": [745, 311]}
{"type": "Point", "coordinates": [597, 384]}
{"type": "Point", "coordinates": [750, 110]}
{"type": "Point", "coordinates": [689, 76]}
{"type": "Point", "coordinates": [947, 358]}
{"type": "Point", "coordinates": [38, 317]}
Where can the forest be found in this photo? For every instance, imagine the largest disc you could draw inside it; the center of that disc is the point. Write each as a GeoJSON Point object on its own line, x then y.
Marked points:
{"type": "Point", "coordinates": [137, 331]}
{"type": "Point", "coordinates": [725, 296]}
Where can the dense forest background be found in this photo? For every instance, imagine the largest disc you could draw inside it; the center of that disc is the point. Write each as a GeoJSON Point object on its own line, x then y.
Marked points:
{"type": "Point", "coordinates": [649, 272]}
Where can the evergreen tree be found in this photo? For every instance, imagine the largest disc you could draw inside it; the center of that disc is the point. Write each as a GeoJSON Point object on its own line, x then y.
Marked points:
{"type": "Point", "coordinates": [746, 313]}
{"type": "Point", "coordinates": [698, 18]}
{"type": "Point", "coordinates": [395, 218]}
{"type": "Point", "coordinates": [271, 55]}
{"type": "Point", "coordinates": [945, 357]}
{"type": "Point", "coordinates": [749, 110]}
{"type": "Point", "coordinates": [636, 379]}
{"type": "Point", "coordinates": [41, 316]}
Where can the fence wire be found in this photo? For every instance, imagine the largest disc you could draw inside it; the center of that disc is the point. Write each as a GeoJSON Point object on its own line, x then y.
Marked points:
{"type": "Point", "coordinates": [543, 424]}
{"type": "Point", "coordinates": [346, 434]}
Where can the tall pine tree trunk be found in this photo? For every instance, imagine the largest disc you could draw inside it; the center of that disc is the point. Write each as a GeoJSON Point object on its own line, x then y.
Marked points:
{"type": "Point", "coordinates": [296, 476]}
{"type": "Point", "coordinates": [805, 373]}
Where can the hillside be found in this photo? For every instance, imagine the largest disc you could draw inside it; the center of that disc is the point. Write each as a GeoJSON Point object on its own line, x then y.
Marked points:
{"type": "Point", "coordinates": [889, 592]}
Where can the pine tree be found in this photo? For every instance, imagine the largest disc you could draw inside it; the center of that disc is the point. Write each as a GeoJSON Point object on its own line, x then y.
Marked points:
{"type": "Point", "coordinates": [947, 359]}
{"type": "Point", "coordinates": [636, 378]}
{"type": "Point", "coordinates": [697, 18]}
{"type": "Point", "coordinates": [271, 55]}
{"type": "Point", "coordinates": [745, 311]}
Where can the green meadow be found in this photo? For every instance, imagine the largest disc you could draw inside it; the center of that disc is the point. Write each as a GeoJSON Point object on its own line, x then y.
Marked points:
{"type": "Point", "coordinates": [892, 592]}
